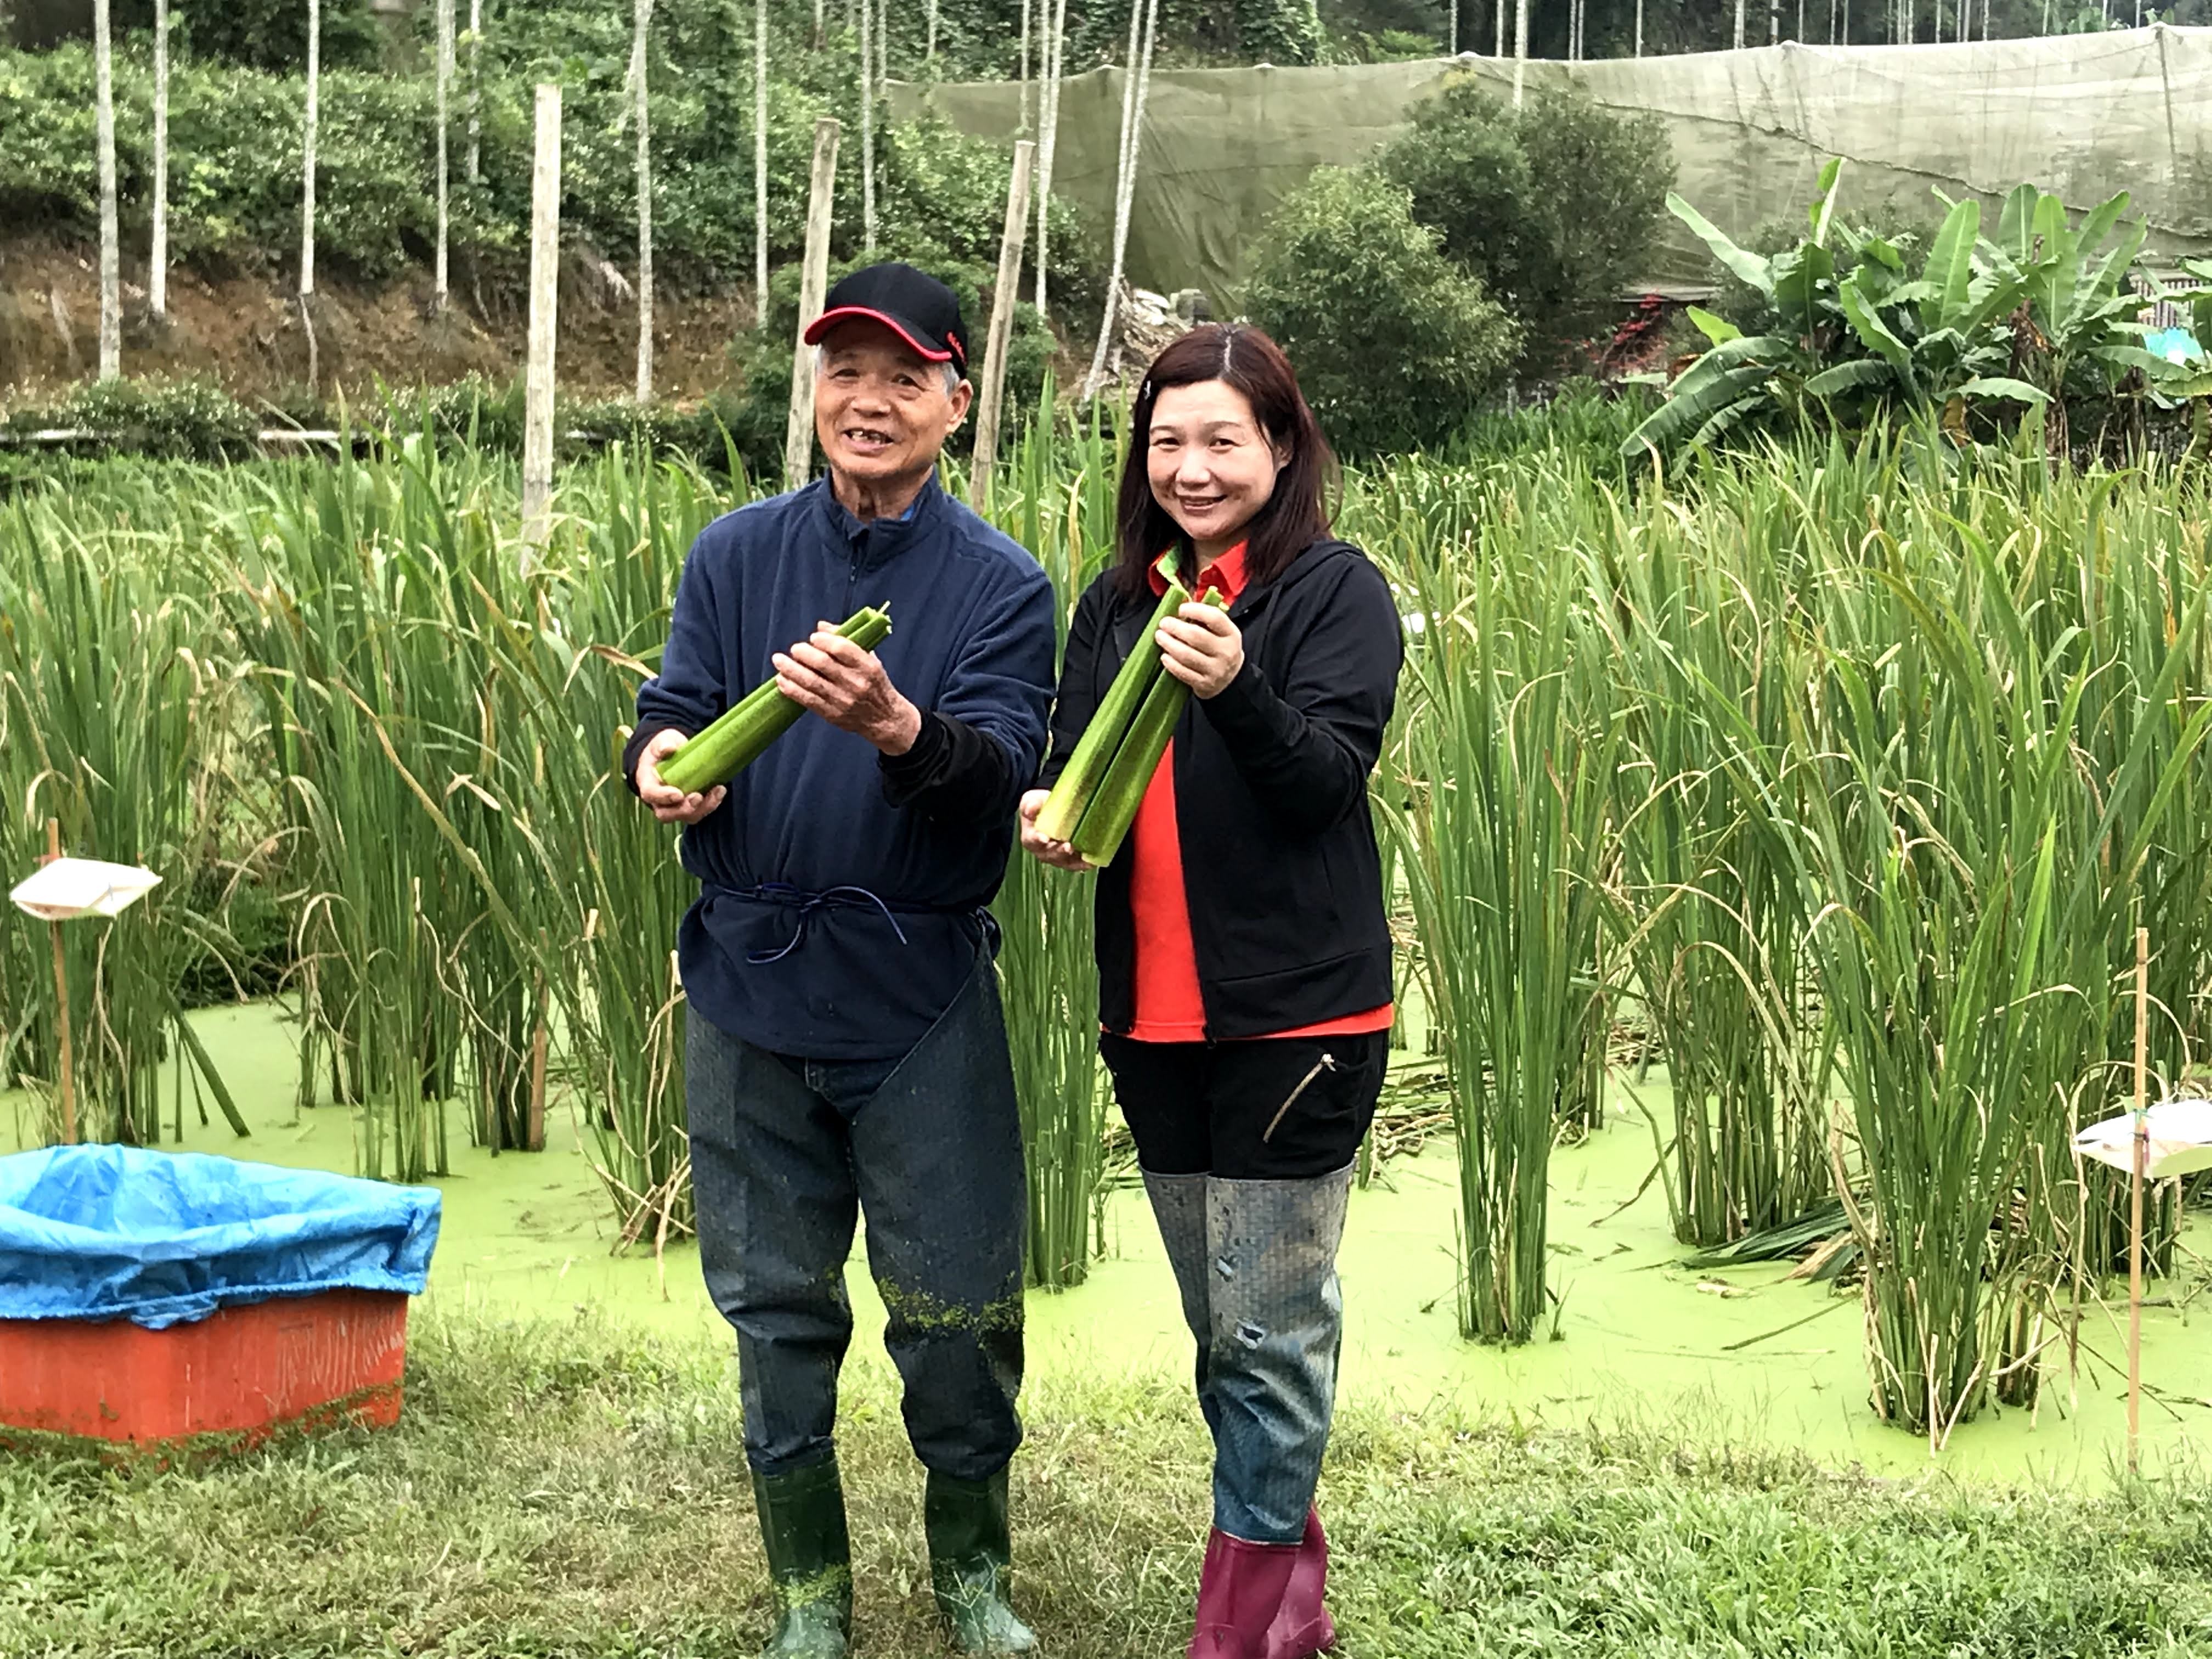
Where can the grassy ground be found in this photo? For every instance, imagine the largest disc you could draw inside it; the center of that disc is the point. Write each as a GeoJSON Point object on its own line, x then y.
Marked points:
{"type": "Point", "coordinates": [579, 1489]}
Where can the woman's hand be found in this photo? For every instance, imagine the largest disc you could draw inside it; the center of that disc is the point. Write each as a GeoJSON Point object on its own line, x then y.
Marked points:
{"type": "Point", "coordinates": [1201, 647]}
{"type": "Point", "coordinates": [669, 804]}
{"type": "Point", "coordinates": [1057, 854]}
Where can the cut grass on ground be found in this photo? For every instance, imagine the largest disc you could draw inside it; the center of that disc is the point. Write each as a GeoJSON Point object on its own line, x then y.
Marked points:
{"type": "Point", "coordinates": [579, 1490]}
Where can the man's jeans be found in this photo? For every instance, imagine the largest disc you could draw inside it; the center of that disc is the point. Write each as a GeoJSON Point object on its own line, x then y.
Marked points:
{"type": "Point", "coordinates": [786, 1152]}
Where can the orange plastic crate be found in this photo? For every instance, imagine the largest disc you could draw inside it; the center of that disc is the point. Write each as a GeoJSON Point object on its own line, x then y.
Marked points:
{"type": "Point", "coordinates": [242, 1371]}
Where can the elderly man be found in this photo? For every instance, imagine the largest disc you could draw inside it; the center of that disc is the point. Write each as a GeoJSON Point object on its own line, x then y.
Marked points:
{"type": "Point", "coordinates": [846, 1048]}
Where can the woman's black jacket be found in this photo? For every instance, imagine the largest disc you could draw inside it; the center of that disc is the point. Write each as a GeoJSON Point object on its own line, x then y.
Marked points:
{"type": "Point", "coordinates": [1279, 860]}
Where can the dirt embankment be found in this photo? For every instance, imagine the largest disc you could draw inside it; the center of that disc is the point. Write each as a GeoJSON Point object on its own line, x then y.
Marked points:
{"type": "Point", "coordinates": [242, 330]}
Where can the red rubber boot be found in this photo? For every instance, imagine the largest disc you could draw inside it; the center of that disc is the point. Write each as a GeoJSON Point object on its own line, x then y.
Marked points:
{"type": "Point", "coordinates": [1240, 1593]}
{"type": "Point", "coordinates": [1302, 1627]}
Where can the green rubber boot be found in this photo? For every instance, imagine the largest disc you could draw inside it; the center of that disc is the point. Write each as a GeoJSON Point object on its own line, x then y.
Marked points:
{"type": "Point", "coordinates": [810, 1561]}
{"type": "Point", "coordinates": [970, 1553]}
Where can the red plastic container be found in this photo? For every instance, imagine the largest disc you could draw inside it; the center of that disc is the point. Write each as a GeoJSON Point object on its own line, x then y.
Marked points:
{"type": "Point", "coordinates": [241, 1371]}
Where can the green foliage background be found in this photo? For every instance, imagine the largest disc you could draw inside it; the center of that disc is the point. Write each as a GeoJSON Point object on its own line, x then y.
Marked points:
{"type": "Point", "coordinates": [1396, 346]}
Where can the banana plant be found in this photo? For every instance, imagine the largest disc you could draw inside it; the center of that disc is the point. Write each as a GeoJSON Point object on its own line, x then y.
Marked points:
{"type": "Point", "coordinates": [2041, 313]}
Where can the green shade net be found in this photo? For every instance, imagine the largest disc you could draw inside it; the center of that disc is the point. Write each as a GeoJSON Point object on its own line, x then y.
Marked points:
{"type": "Point", "coordinates": [2082, 115]}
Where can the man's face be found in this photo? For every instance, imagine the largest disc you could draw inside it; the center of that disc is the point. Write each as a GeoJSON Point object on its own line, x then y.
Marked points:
{"type": "Point", "coordinates": [880, 409]}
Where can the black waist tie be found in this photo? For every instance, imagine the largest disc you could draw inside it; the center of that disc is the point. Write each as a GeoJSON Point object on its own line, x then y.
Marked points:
{"type": "Point", "coordinates": [808, 905]}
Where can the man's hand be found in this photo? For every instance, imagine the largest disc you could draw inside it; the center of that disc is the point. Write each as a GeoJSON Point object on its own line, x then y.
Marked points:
{"type": "Point", "coordinates": [670, 805]}
{"type": "Point", "coordinates": [1201, 647]}
{"type": "Point", "coordinates": [1057, 854]}
{"type": "Point", "coordinates": [847, 687]}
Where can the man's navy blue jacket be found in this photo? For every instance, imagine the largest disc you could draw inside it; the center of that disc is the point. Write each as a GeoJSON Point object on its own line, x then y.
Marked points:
{"type": "Point", "coordinates": [825, 856]}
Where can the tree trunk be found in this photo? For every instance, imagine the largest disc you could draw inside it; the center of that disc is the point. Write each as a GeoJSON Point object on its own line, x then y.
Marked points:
{"type": "Point", "coordinates": [445, 93]}
{"type": "Point", "coordinates": [1639, 28]}
{"type": "Point", "coordinates": [1521, 48]}
{"type": "Point", "coordinates": [760, 162]}
{"type": "Point", "coordinates": [929, 54]}
{"type": "Point", "coordinates": [1055, 51]}
{"type": "Point", "coordinates": [307, 189]}
{"type": "Point", "coordinates": [476, 92]}
{"type": "Point", "coordinates": [1739, 24]}
{"type": "Point", "coordinates": [641, 27]}
{"type": "Point", "coordinates": [1497, 22]}
{"type": "Point", "coordinates": [157, 273]}
{"type": "Point", "coordinates": [1133, 91]}
{"type": "Point", "coordinates": [1026, 29]}
{"type": "Point", "coordinates": [867, 127]}
{"type": "Point", "coordinates": [111, 248]}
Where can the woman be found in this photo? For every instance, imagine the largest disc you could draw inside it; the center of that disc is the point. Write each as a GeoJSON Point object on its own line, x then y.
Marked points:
{"type": "Point", "coordinates": [1243, 952]}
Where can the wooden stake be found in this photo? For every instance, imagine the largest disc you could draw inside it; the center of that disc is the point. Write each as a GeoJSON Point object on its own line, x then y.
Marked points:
{"type": "Point", "coordinates": [545, 301]}
{"type": "Point", "coordinates": [813, 283]}
{"type": "Point", "coordinates": [1005, 298]}
{"type": "Point", "coordinates": [534, 1134]}
{"type": "Point", "coordinates": [61, 1002]}
{"type": "Point", "coordinates": [110, 257]}
{"type": "Point", "coordinates": [2136, 1194]}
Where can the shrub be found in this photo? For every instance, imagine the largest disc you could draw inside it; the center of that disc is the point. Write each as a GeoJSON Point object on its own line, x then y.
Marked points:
{"type": "Point", "coordinates": [1397, 347]}
{"type": "Point", "coordinates": [1551, 207]}
{"type": "Point", "coordinates": [169, 420]}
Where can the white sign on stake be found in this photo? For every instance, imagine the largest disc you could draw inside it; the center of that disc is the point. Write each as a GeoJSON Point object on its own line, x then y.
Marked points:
{"type": "Point", "coordinates": [2178, 1134]}
{"type": "Point", "coordinates": [68, 889]}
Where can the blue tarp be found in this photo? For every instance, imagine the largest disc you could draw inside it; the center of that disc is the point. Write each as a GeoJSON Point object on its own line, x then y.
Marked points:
{"type": "Point", "coordinates": [164, 1238]}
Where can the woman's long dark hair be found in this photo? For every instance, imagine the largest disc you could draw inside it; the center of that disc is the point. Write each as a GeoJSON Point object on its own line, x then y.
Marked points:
{"type": "Point", "coordinates": [1299, 512]}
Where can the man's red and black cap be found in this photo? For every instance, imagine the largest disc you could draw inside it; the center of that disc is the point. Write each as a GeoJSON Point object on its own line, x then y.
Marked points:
{"type": "Point", "coordinates": [912, 304]}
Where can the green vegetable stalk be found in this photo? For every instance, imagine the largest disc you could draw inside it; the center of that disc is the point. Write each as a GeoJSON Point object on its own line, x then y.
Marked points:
{"type": "Point", "coordinates": [1113, 806]}
{"type": "Point", "coordinates": [743, 732]}
{"type": "Point", "coordinates": [1101, 739]}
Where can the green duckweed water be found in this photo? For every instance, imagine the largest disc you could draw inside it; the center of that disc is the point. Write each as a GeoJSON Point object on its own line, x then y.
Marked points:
{"type": "Point", "coordinates": [1739, 1357]}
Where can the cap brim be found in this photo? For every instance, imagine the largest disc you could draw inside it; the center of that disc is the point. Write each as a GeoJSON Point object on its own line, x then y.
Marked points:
{"type": "Point", "coordinates": [829, 319]}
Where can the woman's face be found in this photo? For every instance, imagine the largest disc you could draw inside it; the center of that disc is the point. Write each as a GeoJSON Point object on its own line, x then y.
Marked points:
{"type": "Point", "coordinates": [1212, 467]}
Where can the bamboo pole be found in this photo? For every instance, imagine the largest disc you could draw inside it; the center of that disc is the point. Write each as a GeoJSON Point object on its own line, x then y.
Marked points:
{"type": "Point", "coordinates": [867, 127]}
{"type": "Point", "coordinates": [760, 162]}
{"type": "Point", "coordinates": [445, 116]}
{"type": "Point", "coordinates": [929, 52]}
{"type": "Point", "coordinates": [68, 1059]}
{"type": "Point", "coordinates": [110, 250]}
{"type": "Point", "coordinates": [1639, 28]}
{"type": "Point", "coordinates": [813, 282]}
{"type": "Point", "coordinates": [642, 24]}
{"type": "Point", "coordinates": [1006, 297]}
{"type": "Point", "coordinates": [157, 262]}
{"type": "Point", "coordinates": [1739, 24]}
{"type": "Point", "coordinates": [544, 300]}
{"type": "Point", "coordinates": [2141, 1139]}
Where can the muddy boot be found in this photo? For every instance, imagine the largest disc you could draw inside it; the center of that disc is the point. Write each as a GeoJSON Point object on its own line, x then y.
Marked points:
{"type": "Point", "coordinates": [969, 1554]}
{"type": "Point", "coordinates": [810, 1561]}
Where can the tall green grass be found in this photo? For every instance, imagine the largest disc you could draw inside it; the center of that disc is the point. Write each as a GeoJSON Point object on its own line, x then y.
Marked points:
{"type": "Point", "coordinates": [1845, 772]}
